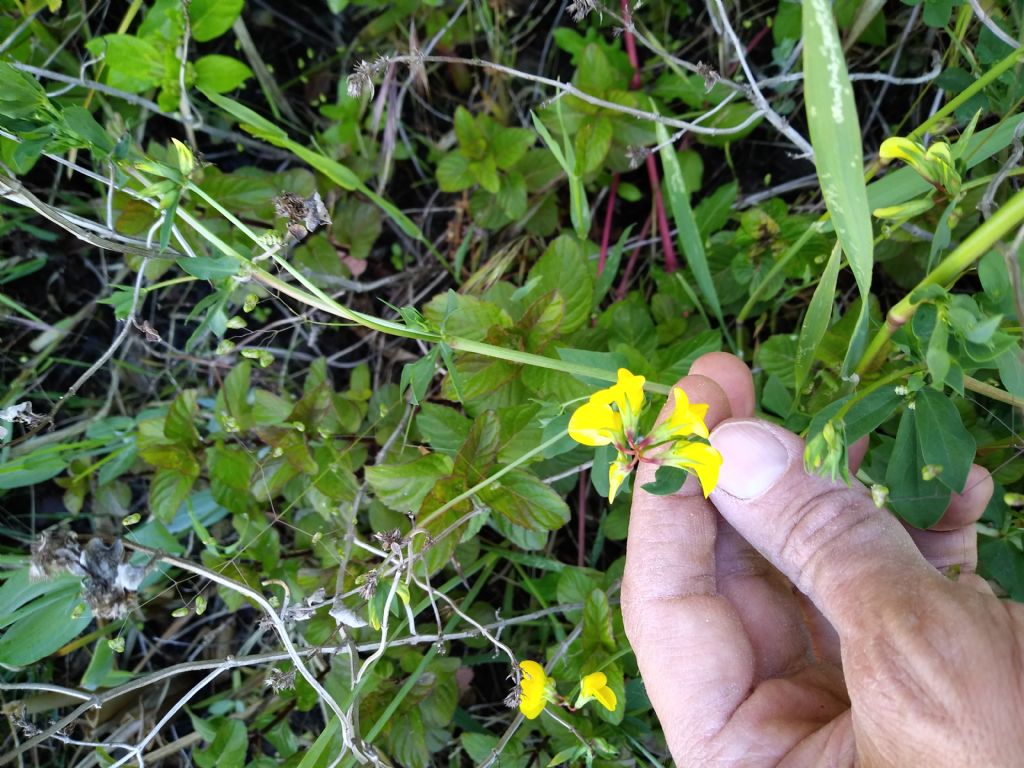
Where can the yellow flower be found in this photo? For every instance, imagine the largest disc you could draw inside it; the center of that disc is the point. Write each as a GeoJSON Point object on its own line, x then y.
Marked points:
{"type": "Point", "coordinates": [618, 471]}
{"type": "Point", "coordinates": [535, 689]}
{"type": "Point", "coordinates": [595, 686]}
{"type": "Point", "coordinates": [699, 458]}
{"type": "Point", "coordinates": [935, 164]}
{"type": "Point", "coordinates": [597, 423]}
{"type": "Point", "coordinates": [687, 419]}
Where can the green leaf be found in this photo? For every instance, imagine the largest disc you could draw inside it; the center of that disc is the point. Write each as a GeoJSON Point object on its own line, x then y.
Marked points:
{"type": "Point", "coordinates": [180, 425]}
{"type": "Point", "coordinates": [419, 375]}
{"type": "Point", "coordinates": [999, 559]}
{"type": "Point", "coordinates": [228, 748]}
{"type": "Point", "coordinates": [402, 487]}
{"type": "Point", "coordinates": [212, 18]}
{"type": "Point", "coordinates": [167, 492]}
{"type": "Point", "coordinates": [453, 174]}
{"type": "Point", "coordinates": [511, 196]}
{"type": "Point", "coordinates": [597, 623]}
{"type": "Point", "coordinates": [563, 268]}
{"type": "Point", "coordinates": [836, 137]}
{"type": "Point", "coordinates": [38, 617]}
{"type": "Point", "coordinates": [21, 95]}
{"type": "Point", "coordinates": [80, 122]}
{"type": "Point", "coordinates": [944, 441]}
{"type": "Point", "coordinates": [593, 141]}
{"type": "Point", "coordinates": [36, 467]}
{"type": "Point", "coordinates": [471, 138]}
{"type": "Point", "coordinates": [819, 312]}
{"type": "Point", "coordinates": [207, 268]}
{"type": "Point", "coordinates": [508, 145]}
{"type": "Point", "coordinates": [918, 501]}
{"type": "Point", "coordinates": [527, 501]}
{"type": "Point", "coordinates": [667, 480]}
{"type": "Point", "coordinates": [220, 74]}
{"type": "Point", "coordinates": [131, 63]}
{"type": "Point", "coordinates": [690, 239]}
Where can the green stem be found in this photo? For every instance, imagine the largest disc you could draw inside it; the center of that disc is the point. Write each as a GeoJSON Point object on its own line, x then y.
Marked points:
{"type": "Point", "coordinates": [995, 393]}
{"type": "Point", "coordinates": [948, 271]}
{"type": "Point", "coordinates": [777, 267]}
{"type": "Point", "coordinates": [489, 479]}
{"type": "Point", "coordinates": [964, 96]}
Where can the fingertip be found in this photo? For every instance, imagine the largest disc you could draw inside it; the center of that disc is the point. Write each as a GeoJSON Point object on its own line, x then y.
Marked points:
{"type": "Point", "coordinates": [702, 389]}
{"type": "Point", "coordinates": [966, 508]}
{"type": "Point", "coordinates": [856, 452]}
{"type": "Point", "coordinates": [733, 376]}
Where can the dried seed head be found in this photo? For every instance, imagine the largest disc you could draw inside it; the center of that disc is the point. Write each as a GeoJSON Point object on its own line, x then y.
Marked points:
{"type": "Point", "coordinates": [305, 215]}
{"type": "Point", "coordinates": [514, 697]}
{"type": "Point", "coordinates": [280, 681]}
{"type": "Point", "coordinates": [390, 539]}
{"type": "Point", "coordinates": [708, 73]}
{"type": "Point", "coordinates": [580, 9]}
{"type": "Point", "coordinates": [369, 588]}
{"type": "Point", "coordinates": [361, 80]}
{"type": "Point", "coordinates": [55, 551]}
{"type": "Point", "coordinates": [636, 156]}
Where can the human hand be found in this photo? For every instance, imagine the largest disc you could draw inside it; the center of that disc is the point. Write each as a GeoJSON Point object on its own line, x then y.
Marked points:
{"type": "Point", "coordinates": [788, 621]}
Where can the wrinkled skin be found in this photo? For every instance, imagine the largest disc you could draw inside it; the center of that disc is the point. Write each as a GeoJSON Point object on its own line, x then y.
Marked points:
{"type": "Point", "coordinates": [802, 626]}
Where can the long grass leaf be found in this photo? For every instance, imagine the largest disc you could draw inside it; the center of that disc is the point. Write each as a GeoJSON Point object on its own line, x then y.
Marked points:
{"type": "Point", "coordinates": [835, 136]}
{"type": "Point", "coordinates": [819, 312]}
{"type": "Point", "coordinates": [689, 233]}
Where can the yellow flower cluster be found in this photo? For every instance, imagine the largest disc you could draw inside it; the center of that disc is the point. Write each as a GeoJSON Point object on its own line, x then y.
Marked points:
{"type": "Point", "coordinates": [537, 689]}
{"type": "Point", "coordinates": [611, 417]}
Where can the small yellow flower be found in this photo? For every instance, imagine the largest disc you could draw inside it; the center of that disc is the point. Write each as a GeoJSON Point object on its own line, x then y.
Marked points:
{"type": "Point", "coordinates": [618, 471]}
{"type": "Point", "coordinates": [699, 458]}
{"type": "Point", "coordinates": [935, 164]}
{"type": "Point", "coordinates": [535, 689]}
{"type": "Point", "coordinates": [612, 416]}
{"type": "Point", "coordinates": [595, 687]}
{"type": "Point", "coordinates": [687, 419]}
{"type": "Point", "coordinates": [597, 423]}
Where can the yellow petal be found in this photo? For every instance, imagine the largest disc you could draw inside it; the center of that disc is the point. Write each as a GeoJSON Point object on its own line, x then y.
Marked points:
{"type": "Point", "coordinates": [606, 696]}
{"type": "Point", "coordinates": [595, 686]}
{"type": "Point", "coordinates": [595, 424]}
{"type": "Point", "coordinates": [533, 689]}
{"type": "Point", "coordinates": [618, 471]}
{"type": "Point", "coordinates": [632, 391]}
{"type": "Point", "coordinates": [898, 148]}
{"type": "Point", "coordinates": [593, 682]}
{"type": "Point", "coordinates": [686, 418]}
{"type": "Point", "coordinates": [699, 458]}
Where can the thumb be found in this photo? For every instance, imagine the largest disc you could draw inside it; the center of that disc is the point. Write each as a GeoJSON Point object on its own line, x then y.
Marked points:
{"type": "Point", "coordinates": [852, 559]}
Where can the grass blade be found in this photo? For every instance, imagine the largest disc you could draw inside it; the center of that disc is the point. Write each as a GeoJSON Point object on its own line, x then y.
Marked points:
{"type": "Point", "coordinates": [835, 136]}
{"type": "Point", "coordinates": [819, 312]}
{"type": "Point", "coordinates": [689, 233]}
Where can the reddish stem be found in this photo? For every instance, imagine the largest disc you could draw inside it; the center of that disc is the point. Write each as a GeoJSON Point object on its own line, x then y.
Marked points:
{"type": "Point", "coordinates": [606, 231]}
{"type": "Point", "coordinates": [671, 263]}
{"type": "Point", "coordinates": [627, 275]}
{"type": "Point", "coordinates": [581, 519]}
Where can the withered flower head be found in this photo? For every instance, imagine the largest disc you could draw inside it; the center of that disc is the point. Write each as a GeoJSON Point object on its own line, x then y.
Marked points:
{"type": "Point", "coordinates": [280, 681]}
{"type": "Point", "coordinates": [369, 588]}
{"type": "Point", "coordinates": [305, 215]}
{"type": "Point", "coordinates": [55, 551]}
{"type": "Point", "coordinates": [580, 9]}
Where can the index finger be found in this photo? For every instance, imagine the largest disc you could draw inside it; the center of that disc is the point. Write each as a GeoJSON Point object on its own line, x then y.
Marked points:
{"type": "Point", "coordinates": [690, 645]}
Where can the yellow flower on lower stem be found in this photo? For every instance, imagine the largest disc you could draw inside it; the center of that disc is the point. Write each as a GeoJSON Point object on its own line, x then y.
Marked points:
{"type": "Point", "coordinates": [535, 689]}
{"type": "Point", "coordinates": [699, 458]}
{"type": "Point", "coordinates": [618, 471]}
{"type": "Point", "coordinates": [595, 687]}
{"type": "Point", "coordinates": [596, 422]}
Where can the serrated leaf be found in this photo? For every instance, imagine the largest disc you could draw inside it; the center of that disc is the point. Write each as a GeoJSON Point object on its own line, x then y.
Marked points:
{"type": "Point", "coordinates": [402, 487]}
{"type": "Point", "coordinates": [527, 501]}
